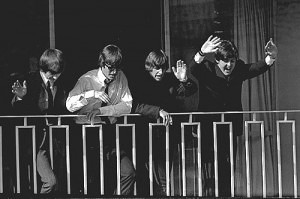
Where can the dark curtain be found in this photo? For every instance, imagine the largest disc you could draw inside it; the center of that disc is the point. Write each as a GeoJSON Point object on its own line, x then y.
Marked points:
{"type": "Point", "coordinates": [253, 27]}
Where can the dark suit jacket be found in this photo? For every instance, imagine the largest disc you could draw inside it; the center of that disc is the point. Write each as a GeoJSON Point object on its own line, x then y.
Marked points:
{"type": "Point", "coordinates": [35, 102]}
{"type": "Point", "coordinates": [218, 93]}
{"type": "Point", "coordinates": [149, 96]}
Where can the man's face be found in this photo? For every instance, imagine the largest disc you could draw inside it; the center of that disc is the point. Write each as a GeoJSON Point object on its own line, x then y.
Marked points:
{"type": "Point", "coordinates": [109, 71]}
{"type": "Point", "coordinates": [157, 74]}
{"type": "Point", "coordinates": [227, 67]}
{"type": "Point", "coordinates": [52, 76]}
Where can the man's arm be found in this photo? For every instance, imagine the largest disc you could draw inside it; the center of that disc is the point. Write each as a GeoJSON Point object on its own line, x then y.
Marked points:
{"type": "Point", "coordinates": [264, 65]}
{"type": "Point", "coordinates": [78, 96]}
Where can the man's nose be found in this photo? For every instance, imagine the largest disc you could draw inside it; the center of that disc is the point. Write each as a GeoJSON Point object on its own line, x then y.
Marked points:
{"type": "Point", "coordinates": [114, 71]}
{"type": "Point", "coordinates": [159, 71]}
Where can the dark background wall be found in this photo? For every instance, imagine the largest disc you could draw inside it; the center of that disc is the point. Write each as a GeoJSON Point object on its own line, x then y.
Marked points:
{"type": "Point", "coordinates": [83, 28]}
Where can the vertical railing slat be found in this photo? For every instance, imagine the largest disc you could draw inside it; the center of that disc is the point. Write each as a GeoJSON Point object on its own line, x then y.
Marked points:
{"type": "Point", "coordinates": [216, 159]}
{"type": "Point", "coordinates": [84, 159]}
{"type": "Point", "coordinates": [247, 159]}
{"type": "Point", "coordinates": [279, 160]}
{"type": "Point", "coordinates": [118, 160]}
{"type": "Point", "coordinates": [150, 160]}
{"type": "Point", "coordinates": [101, 160]}
{"type": "Point", "coordinates": [183, 161]}
{"type": "Point", "coordinates": [167, 161]}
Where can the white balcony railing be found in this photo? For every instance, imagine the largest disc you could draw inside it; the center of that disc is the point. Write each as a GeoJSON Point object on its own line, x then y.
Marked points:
{"type": "Point", "coordinates": [176, 181]}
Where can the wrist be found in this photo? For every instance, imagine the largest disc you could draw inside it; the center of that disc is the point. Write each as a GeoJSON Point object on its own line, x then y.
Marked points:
{"type": "Point", "coordinates": [269, 60]}
{"type": "Point", "coordinates": [184, 79]}
{"type": "Point", "coordinates": [201, 53]}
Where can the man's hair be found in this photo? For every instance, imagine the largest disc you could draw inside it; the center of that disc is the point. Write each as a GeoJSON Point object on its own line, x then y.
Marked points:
{"type": "Point", "coordinates": [111, 55]}
{"type": "Point", "coordinates": [226, 50]}
{"type": "Point", "coordinates": [52, 61]}
{"type": "Point", "coordinates": [156, 59]}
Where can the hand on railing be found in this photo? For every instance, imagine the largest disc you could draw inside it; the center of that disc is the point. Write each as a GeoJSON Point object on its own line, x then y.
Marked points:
{"type": "Point", "coordinates": [167, 119]}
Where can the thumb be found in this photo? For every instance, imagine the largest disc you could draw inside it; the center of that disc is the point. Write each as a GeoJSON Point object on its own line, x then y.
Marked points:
{"type": "Point", "coordinates": [174, 69]}
{"type": "Point", "coordinates": [24, 84]}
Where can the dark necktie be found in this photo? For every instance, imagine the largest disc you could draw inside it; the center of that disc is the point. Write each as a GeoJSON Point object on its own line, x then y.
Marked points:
{"type": "Point", "coordinates": [50, 96]}
{"type": "Point", "coordinates": [106, 91]}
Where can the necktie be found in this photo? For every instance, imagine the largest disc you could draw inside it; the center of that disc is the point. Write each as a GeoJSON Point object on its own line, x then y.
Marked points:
{"type": "Point", "coordinates": [50, 96]}
{"type": "Point", "coordinates": [106, 91]}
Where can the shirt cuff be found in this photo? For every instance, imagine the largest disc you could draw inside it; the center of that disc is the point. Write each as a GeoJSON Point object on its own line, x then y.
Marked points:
{"type": "Point", "coordinates": [269, 61]}
{"type": "Point", "coordinates": [198, 58]}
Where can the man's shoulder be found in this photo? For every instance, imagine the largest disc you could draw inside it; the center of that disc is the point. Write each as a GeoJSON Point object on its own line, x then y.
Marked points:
{"type": "Point", "coordinates": [90, 73]}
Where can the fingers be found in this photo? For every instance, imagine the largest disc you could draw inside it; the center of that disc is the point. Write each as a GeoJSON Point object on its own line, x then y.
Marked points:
{"type": "Point", "coordinates": [103, 97]}
{"type": "Point", "coordinates": [167, 120]}
{"type": "Point", "coordinates": [91, 115]}
{"type": "Point", "coordinates": [180, 63]}
{"type": "Point", "coordinates": [170, 120]}
{"type": "Point", "coordinates": [174, 70]}
{"type": "Point", "coordinates": [209, 38]}
{"type": "Point", "coordinates": [215, 40]}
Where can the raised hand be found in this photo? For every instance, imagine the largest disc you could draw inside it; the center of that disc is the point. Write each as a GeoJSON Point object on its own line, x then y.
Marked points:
{"type": "Point", "coordinates": [211, 45]}
{"type": "Point", "coordinates": [180, 71]}
{"type": "Point", "coordinates": [18, 89]}
{"type": "Point", "coordinates": [271, 49]}
{"type": "Point", "coordinates": [167, 119]}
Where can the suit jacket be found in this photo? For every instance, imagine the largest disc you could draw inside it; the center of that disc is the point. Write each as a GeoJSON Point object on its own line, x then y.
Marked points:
{"type": "Point", "coordinates": [218, 93]}
{"type": "Point", "coordinates": [35, 102]}
{"type": "Point", "coordinates": [149, 96]}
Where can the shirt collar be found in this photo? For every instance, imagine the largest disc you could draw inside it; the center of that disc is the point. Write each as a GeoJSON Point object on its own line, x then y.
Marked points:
{"type": "Point", "coordinates": [101, 76]}
{"type": "Point", "coordinates": [45, 79]}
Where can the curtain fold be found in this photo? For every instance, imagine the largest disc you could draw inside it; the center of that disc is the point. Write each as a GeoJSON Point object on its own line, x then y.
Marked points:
{"type": "Point", "coordinates": [253, 27]}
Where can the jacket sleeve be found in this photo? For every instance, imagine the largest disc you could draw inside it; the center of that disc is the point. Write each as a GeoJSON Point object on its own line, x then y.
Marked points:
{"type": "Point", "coordinates": [254, 69]}
{"type": "Point", "coordinates": [148, 110]}
{"type": "Point", "coordinates": [187, 88]}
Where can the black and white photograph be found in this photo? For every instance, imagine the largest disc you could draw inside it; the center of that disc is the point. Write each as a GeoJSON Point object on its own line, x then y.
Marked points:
{"type": "Point", "coordinates": [149, 99]}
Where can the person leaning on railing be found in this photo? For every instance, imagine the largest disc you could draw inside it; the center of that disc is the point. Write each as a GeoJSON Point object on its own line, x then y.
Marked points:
{"type": "Point", "coordinates": [220, 87]}
{"type": "Point", "coordinates": [105, 91]}
{"type": "Point", "coordinates": [43, 93]}
{"type": "Point", "coordinates": [155, 96]}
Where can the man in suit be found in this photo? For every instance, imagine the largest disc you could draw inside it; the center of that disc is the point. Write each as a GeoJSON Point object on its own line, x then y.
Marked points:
{"type": "Point", "coordinates": [43, 93]}
{"type": "Point", "coordinates": [155, 95]}
{"type": "Point", "coordinates": [220, 88]}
